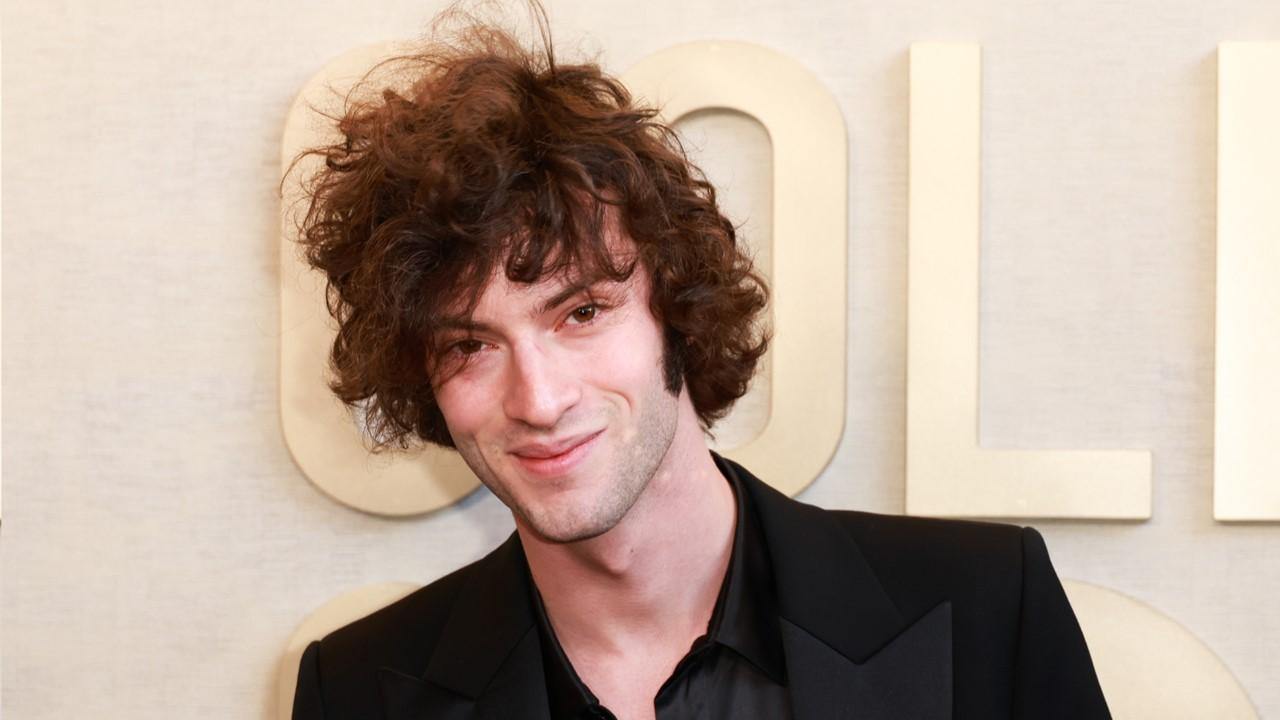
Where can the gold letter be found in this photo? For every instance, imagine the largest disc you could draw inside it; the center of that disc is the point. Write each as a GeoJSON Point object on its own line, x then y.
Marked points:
{"type": "Point", "coordinates": [947, 473]}
{"type": "Point", "coordinates": [1246, 454]}
{"type": "Point", "coordinates": [810, 179]}
{"type": "Point", "coordinates": [319, 431]}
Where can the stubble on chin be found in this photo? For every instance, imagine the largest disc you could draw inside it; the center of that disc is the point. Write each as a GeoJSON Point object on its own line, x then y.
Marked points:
{"type": "Point", "coordinates": [562, 530]}
{"type": "Point", "coordinates": [638, 457]}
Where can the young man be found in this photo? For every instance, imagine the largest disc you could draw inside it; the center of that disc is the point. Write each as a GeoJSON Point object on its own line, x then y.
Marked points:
{"type": "Point", "coordinates": [525, 267]}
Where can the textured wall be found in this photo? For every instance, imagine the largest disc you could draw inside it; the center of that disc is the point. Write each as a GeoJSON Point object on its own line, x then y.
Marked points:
{"type": "Point", "coordinates": [158, 544]}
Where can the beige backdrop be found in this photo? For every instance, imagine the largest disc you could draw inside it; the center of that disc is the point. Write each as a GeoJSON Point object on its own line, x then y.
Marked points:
{"type": "Point", "coordinates": [159, 546]}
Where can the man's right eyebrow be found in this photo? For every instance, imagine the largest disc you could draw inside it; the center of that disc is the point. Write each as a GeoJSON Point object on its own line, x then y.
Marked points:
{"type": "Point", "coordinates": [461, 323]}
{"type": "Point", "coordinates": [568, 291]}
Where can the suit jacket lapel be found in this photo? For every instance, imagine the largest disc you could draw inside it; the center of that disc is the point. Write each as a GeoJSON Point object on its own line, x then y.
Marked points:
{"type": "Point", "coordinates": [908, 678]}
{"type": "Point", "coordinates": [849, 651]}
{"type": "Point", "coordinates": [487, 663]}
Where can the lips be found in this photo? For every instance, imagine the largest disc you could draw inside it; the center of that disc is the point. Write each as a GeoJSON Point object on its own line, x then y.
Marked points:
{"type": "Point", "coordinates": [555, 458]}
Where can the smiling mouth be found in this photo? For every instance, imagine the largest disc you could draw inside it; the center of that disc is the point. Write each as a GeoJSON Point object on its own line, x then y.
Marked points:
{"type": "Point", "coordinates": [555, 459]}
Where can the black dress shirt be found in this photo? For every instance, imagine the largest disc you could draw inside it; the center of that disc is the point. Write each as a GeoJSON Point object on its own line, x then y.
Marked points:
{"type": "Point", "coordinates": [736, 670]}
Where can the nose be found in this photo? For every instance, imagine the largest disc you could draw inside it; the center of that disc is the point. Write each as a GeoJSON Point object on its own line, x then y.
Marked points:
{"type": "Point", "coordinates": [540, 386]}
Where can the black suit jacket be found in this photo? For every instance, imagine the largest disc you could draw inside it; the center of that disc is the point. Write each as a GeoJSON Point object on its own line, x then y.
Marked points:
{"type": "Point", "coordinates": [882, 618]}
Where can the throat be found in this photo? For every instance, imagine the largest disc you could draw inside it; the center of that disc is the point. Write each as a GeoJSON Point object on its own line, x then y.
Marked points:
{"type": "Point", "coordinates": [648, 586]}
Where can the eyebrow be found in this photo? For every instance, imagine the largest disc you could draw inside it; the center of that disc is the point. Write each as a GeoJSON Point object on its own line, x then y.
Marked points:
{"type": "Point", "coordinates": [568, 291]}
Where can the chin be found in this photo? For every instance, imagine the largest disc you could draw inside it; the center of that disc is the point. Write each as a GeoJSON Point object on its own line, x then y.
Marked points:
{"type": "Point", "coordinates": [573, 535]}
{"type": "Point", "coordinates": [569, 529]}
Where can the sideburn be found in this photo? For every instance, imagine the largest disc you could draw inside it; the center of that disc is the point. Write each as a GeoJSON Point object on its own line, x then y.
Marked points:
{"type": "Point", "coordinates": [673, 344]}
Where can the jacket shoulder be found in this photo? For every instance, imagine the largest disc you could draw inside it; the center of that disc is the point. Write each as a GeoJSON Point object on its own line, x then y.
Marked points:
{"type": "Point", "coordinates": [396, 634]}
{"type": "Point", "coordinates": [340, 672]}
{"type": "Point", "coordinates": [1015, 633]}
{"type": "Point", "coordinates": [943, 536]}
{"type": "Point", "coordinates": [922, 561]}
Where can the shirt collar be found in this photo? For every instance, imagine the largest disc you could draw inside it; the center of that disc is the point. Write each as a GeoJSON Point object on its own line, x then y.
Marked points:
{"type": "Point", "coordinates": [567, 695]}
{"type": "Point", "coordinates": [746, 615]}
{"type": "Point", "coordinates": [745, 618]}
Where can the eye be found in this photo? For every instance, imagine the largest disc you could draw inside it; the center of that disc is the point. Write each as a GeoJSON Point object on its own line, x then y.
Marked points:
{"type": "Point", "coordinates": [470, 346]}
{"type": "Point", "coordinates": [584, 314]}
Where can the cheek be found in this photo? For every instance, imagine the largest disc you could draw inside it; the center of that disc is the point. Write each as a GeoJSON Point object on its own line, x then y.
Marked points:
{"type": "Point", "coordinates": [628, 365]}
{"type": "Point", "coordinates": [464, 406]}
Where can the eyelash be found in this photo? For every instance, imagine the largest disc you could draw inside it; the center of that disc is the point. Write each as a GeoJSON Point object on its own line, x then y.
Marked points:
{"type": "Point", "coordinates": [596, 309]}
{"type": "Point", "coordinates": [457, 347]}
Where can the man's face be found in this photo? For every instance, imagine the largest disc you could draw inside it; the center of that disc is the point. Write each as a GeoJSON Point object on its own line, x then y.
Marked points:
{"type": "Point", "coordinates": [556, 400]}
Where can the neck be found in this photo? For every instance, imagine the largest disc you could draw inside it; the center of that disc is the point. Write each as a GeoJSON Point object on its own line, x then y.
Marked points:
{"type": "Point", "coordinates": [652, 580]}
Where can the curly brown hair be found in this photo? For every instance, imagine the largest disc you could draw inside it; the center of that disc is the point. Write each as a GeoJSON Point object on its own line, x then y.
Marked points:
{"type": "Point", "coordinates": [496, 153]}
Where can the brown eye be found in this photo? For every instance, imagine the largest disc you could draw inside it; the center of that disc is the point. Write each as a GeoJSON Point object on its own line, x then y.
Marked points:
{"type": "Point", "coordinates": [468, 347]}
{"type": "Point", "coordinates": [584, 314]}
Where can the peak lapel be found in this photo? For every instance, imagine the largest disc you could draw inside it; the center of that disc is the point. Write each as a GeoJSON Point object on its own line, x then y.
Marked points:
{"type": "Point", "coordinates": [405, 697]}
{"type": "Point", "coordinates": [849, 651]}
{"type": "Point", "coordinates": [908, 678]}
